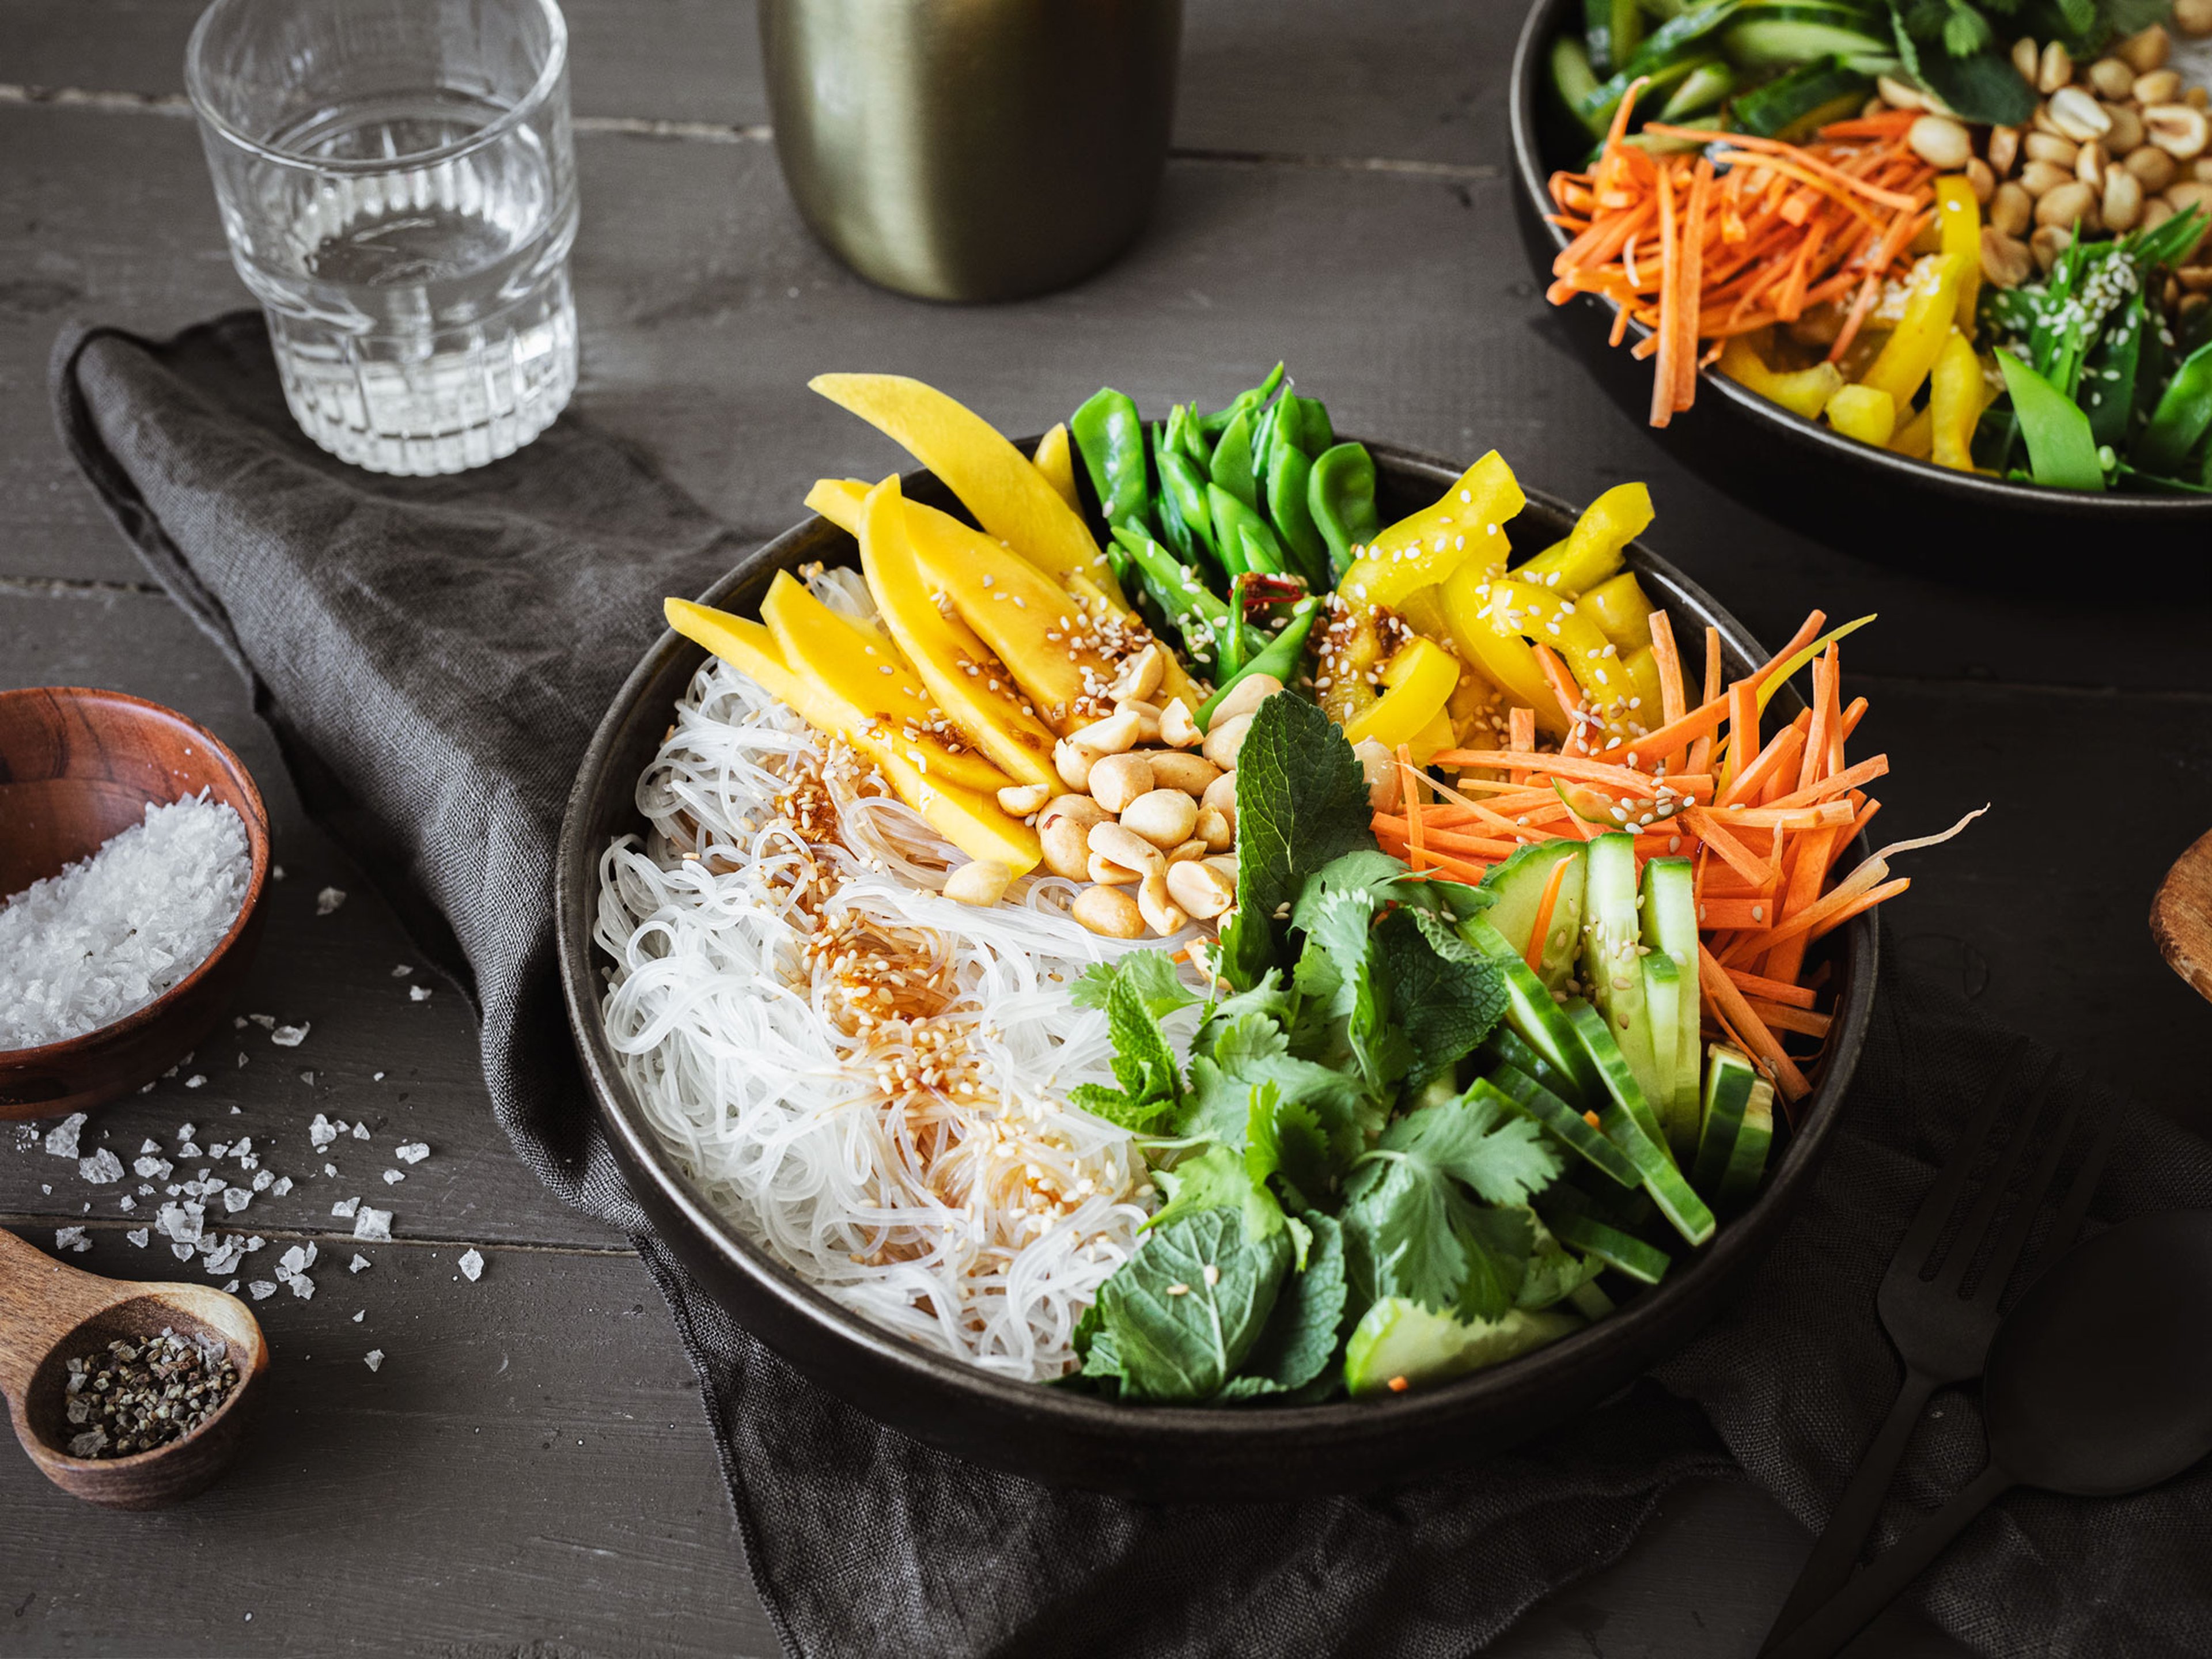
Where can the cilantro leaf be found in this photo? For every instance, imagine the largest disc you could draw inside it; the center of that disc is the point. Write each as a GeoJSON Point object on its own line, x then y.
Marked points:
{"type": "Point", "coordinates": [1400, 1238]}
{"type": "Point", "coordinates": [1506, 1158]}
{"type": "Point", "coordinates": [1216, 1180]}
{"type": "Point", "coordinates": [1445, 994]}
{"type": "Point", "coordinates": [1554, 1271]}
{"type": "Point", "coordinates": [1300, 1337]}
{"type": "Point", "coordinates": [1498, 1243]}
{"type": "Point", "coordinates": [1186, 1309]}
{"type": "Point", "coordinates": [1284, 1139]}
{"type": "Point", "coordinates": [1252, 1051]}
{"type": "Point", "coordinates": [1301, 801]}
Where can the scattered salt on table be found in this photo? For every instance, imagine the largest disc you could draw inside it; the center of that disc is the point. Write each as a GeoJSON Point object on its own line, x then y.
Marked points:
{"type": "Point", "coordinates": [413, 1153]}
{"type": "Point", "coordinates": [472, 1265]}
{"type": "Point", "coordinates": [374, 1358]}
{"type": "Point", "coordinates": [291, 1037]}
{"type": "Point", "coordinates": [61, 1139]}
{"type": "Point", "coordinates": [101, 1169]}
{"type": "Point", "coordinates": [373, 1225]}
{"type": "Point", "coordinates": [112, 932]}
{"type": "Point", "coordinates": [71, 1238]}
{"type": "Point", "coordinates": [358, 1263]}
{"type": "Point", "coordinates": [418, 994]}
{"type": "Point", "coordinates": [329, 900]}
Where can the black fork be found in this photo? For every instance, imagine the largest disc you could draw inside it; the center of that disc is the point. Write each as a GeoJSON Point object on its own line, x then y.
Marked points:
{"type": "Point", "coordinates": [1941, 1335]}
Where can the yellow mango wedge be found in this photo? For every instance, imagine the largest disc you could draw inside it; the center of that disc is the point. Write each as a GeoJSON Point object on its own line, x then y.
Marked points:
{"type": "Point", "coordinates": [1055, 459]}
{"type": "Point", "coordinates": [840, 500]}
{"type": "Point", "coordinates": [1005, 491]}
{"type": "Point", "coordinates": [966, 678]}
{"type": "Point", "coordinates": [866, 671]}
{"type": "Point", "coordinates": [1466, 524]}
{"type": "Point", "coordinates": [971, 821]}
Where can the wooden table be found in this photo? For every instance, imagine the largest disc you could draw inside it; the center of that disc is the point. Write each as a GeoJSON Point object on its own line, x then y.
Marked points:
{"type": "Point", "coordinates": [529, 1470]}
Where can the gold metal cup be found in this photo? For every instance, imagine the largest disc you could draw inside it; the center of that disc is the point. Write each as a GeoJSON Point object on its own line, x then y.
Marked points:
{"type": "Point", "coordinates": [972, 150]}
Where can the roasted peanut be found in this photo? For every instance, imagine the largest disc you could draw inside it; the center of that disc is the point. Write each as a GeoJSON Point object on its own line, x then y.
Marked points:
{"type": "Point", "coordinates": [2156, 211]}
{"type": "Point", "coordinates": [1225, 739]}
{"type": "Point", "coordinates": [2005, 260]}
{"type": "Point", "coordinates": [2089, 165]}
{"type": "Point", "coordinates": [1126, 847]}
{"type": "Point", "coordinates": [2048, 243]}
{"type": "Point", "coordinates": [1074, 762]}
{"type": "Point", "coordinates": [2078, 115]}
{"type": "Point", "coordinates": [1980, 180]}
{"type": "Point", "coordinates": [2071, 202]}
{"type": "Point", "coordinates": [1117, 734]}
{"type": "Point", "coordinates": [1201, 889]}
{"type": "Point", "coordinates": [1898, 95]}
{"type": "Point", "coordinates": [2193, 17]}
{"type": "Point", "coordinates": [1220, 797]}
{"type": "Point", "coordinates": [2054, 67]}
{"type": "Point", "coordinates": [2177, 129]}
{"type": "Point", "coordinates": [1214, 830]}
{"type": "Point", "coordinates": [1066, 847]}
{"type": "Point", "coordinates": [2159, 87]}
{"type": "Point", "coordinates": [1140, 675]}
{"type": "Point", "coordinates": [2039, 179]}
{"type": "Point", "coordinates": [2127, 133]}
{"type": "Point", "coordinates": [2024, 59]}
{"type": "Point", "coordinates": [2050, 147]}
{"type": "Point", "coordinates": [2112, 77]}
{"type": "Point", "coordinates": [2122, 199]}
{"type": "Point", "coordinates": [1940, 141]}
{"type": "Point", "coordinates": [2153, 167]}
{"type": "Point", "coordinates": [1379, 767]}
{"type": "Point", "coordinates": [2145, 51]}
{"type": "Point", "coordinates": [1177, 728]}
{"type": "Point", "coordinates": [1103, 869]}
{"type": "Point", "coordinates": [1023, 798]}
{"type": "Point", "coordinates": [1110, 911]}
{"type": "Point", "coordinates": [2012, 209]}
{"type": "Point", "coordinates": [1147, 716]}
{"type": "Point", "coordinates": [979, 881]}
{"type": "Point", "coordinates": [1163, 816]}
{"type": "Point", "coordinates": [1244, 697]}
{"type": "Point", "coordinates": [2004, 149]}
{"type": "Point", "coordinates": [1161, 912]}
{"type": "Point", "coordinates": [1117, 779]}
{"type": "Point", "coordinates": [1183, 851]}
{"type": "Point", "coordinates": [2188, 193]}
{"type": "Point", "coordinates": [1173, 769]}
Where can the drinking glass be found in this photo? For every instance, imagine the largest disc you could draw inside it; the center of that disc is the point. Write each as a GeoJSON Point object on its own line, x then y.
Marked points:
{"type": "Point", "coordinates": [398, 186]}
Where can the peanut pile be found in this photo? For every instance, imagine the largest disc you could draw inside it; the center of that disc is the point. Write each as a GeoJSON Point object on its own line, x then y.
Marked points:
{"type": "Point", "coordinates": [2114, 145]}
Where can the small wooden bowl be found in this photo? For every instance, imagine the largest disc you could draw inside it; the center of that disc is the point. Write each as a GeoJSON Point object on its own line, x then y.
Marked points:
{"type": "Point", "coordinates": [76, 766]}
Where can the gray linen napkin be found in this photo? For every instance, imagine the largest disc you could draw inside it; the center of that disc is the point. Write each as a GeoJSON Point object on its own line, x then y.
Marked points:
{"type": "Point", "coordinates": [434, 655]}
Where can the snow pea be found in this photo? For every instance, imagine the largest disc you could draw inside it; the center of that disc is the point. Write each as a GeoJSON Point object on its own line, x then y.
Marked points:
{"type": "Point", "coordinates": [1305, 421]}
{"type": "Point", "coordinates": [1289, 476]}
{"type": "Point", "coordinates": [1264, 439]}
{"type": "Point", "coordinates": [2060, 448]}
{"type": "Point", "coordinates": [1340, 497]}
{"type": "Point", "coordinates": [1244, 403]}
{"type": "Point", "coordinates": [2107, 388]}
{"type": "Point", "coordinates": [1281, 657]}
{"type": "Point", "coordinates": [1183, 435]}
{"type": "Point", "coordinates": [1198, 614]}
{"type": "Point", "coordinates": [1112, 441]}
{"type": "Point", "coordinates": [1167, 509]}
{"type": "Point", "coordinates": [1232, 461]}
{"type": "Point", "coordinates": [1182, 481]}
{"type": "Point", "coordinates": [2183, 416]}
{"type": "Point", "coordinates": [1241, 536]}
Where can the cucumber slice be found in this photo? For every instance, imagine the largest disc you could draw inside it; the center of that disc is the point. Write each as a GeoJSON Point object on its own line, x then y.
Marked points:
{"type": "Point", "coordinates": [1666, 59]}
{"type": "Point", "coordinates": [1613, 30]}
{"type": "Point", "coordinates": [1568, 1126]}
{"type": "Point", "coordinates": [1572, 79]}
{"type": "Point", "coordinates": [1632, 1256]}
{"type": "Point", "coordinates": [1399, 1341]}
{"type": "Point", "coordinates": [1730, 1075]}
{"type": "Point", "coordinates": [1766, 40]}
{"type": "Point", "coordinates": [1506, 1048]}
{"type": "Point", "coordinates": [1531, 1013]}
{"type": "Point", "coordinates": [1518, 884]}
{"type": "Point", "coordinates": [1789, 98]}
{"type": "Point", "coordinates": [1670, 925]}
{"type": "Point", "coordinates": [1589, 1302]}
{"type": "Point", "coordinates": [1626, 1118]}
{"type": "Point", "coordinates": [1612, 967]}
{"type": "Point", "coordinates": [1663, 982]}
{"type": "Point", "coordinates": [1747, 1164]}
{"type": "Point", "coordinates": [1703, 88]}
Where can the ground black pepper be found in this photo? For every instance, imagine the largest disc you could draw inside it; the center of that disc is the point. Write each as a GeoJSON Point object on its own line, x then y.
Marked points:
{"type": "Point", "coordinates": [135, 1397]}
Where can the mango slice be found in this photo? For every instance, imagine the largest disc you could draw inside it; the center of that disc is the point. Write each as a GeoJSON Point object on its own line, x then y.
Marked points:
{"type": "Point", "coordinates": [865, 671]}
{"type": "Point", "coordinates": [969, 682]}
{"type": "Point", "coordinates": [1055, 459]}
{"type": "Point", "coordinates": [1009, 497]}
{"type": "Point", "coordinates": [1467, 523]}
{"type": "Point", "coordinates": [971, 821]}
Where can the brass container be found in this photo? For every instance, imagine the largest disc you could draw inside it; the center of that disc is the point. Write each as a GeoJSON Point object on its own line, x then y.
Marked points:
{"type": "Point", "coordinates": [972, 150]}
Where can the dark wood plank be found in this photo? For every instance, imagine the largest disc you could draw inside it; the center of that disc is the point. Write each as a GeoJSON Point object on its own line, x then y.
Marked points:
{"type": "Point", "coordinates": [706, 307]}
{"type": "Point", "coordinates": [331, 973]}
{"type": "Point", "coordinates": [527, 1472]}
{"type": "Point", "coordinates": [1428, 85]}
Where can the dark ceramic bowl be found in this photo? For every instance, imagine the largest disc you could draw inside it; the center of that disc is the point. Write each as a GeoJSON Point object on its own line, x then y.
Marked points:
{"type": "Point", "coordinates": [1956, 526]}
{"type": "Point", "coordinates": [76, 767]}
{"type": "Point", "coordinates": [1070, 1439]}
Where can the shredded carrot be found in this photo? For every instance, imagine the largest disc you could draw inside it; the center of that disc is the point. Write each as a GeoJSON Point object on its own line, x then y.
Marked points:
{"type": "Point", "coordinates": [1568, 694]}
{"type": "Point", "coordinates": [1542, 927]}
{"type": "Point", "coordinates": [1409, 792]}
{"type": "Point", "coordinates": [1760, 1042]}
{"type": "Point", "coordinates": [1770, 990]}
{"type": "Point", "coordinates": [1779, 1016]}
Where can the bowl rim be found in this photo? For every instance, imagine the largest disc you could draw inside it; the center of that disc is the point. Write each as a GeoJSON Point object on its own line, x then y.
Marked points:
{"type": "Point", "coordinates": [258, 847]}
{"type": "Point", "coordinates": [576, 900]}
{"type": "Point", "coordinates": [1523, 93]}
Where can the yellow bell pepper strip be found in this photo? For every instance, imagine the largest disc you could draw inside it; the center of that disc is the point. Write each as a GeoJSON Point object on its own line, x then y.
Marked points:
{"type": "Point", "coordinates": [1432, 740]}
{"type": "Point", "coordinates": [864, 669]}
{"type": "Point", "coordinates": [995, 481]}
{"type": "Point", "coordinates": [1483, 640]}
{"type": "Point", "coordinates": [1424, 612]}
{"type": "Point", "coordinates": [1864, 412]}
{"type": "Point", "coordinates": [1958, 216]}
{"type": "Point", "coordinates": [971, 821]}
{"type": "Point", "coordinates": [1804, 393]}
{"type": "Point", "coordinates": [1916, 439]}
{"type": "Point", "coordinates": [1592, 550]}
{"type": "Point", "coordinates": [1420, 680]}
{"type": "Point", "coordinates": [1643, 707]}
{"type": "Point", "coordinates": [1352, 641]}
{"type": "Point", "coordinates": [1544, 618]}
{"type": "Point", "coordinates": [1474, 708]}
{"type": "Point", "coordinates": [1467, 523]}
{"type": "Point", "coordinates": [1618, 605]}
{"type": "Point", "coordinates": [1956, 393]}
{"type": "Point", "coordinates": [1911, 349]}
{"type": "Point", "coordinates": [1055, 459]}
{"type": "Point", "coordinates": [969, 683]}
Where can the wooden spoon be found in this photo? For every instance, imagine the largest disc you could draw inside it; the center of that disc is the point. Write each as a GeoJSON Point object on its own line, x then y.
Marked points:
{"type": "Point", "coordinates": [50, 1314]}
{"type": "Point", "coordinates": [2181, 915]}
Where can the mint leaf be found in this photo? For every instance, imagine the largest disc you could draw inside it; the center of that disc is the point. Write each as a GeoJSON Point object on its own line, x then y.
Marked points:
{"type": "Point", "coordinates": [1444, 993]}
{"type": "Point", "coordinates": [1184, 1312]}
{"type": "Point", "coordinates": [1151, 976]}
{"type": "Point", "coordinates": [1506, 1158]}
{"type": "Point", "coordinates": [1300, 1337]}
{"type": "Point", "coordinates": [1301, 801]}
{"type": "Point", "coordinates": [1136, 992]}
{"type": "Point", "coordinates": [1217, 1180]}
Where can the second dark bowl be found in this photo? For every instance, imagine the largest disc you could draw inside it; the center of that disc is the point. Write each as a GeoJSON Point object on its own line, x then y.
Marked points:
{"type": "Point", "coordinates": [1076, 1440]}
{"type": "Point", "coordinates": [1954, 526]}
